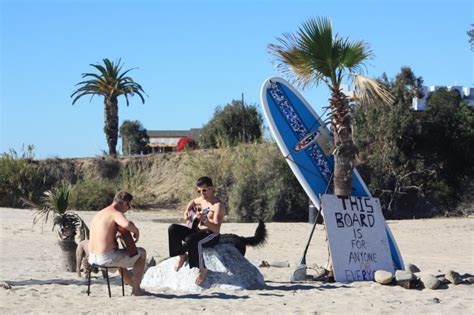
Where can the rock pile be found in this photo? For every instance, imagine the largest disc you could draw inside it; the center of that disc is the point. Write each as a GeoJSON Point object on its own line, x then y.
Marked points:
{"type": "Point", "coordinates": [409, 279]}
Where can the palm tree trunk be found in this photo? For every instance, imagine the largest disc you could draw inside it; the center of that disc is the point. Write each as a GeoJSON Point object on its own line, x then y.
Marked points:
{"type": "Point", "coordinates": [68, 249]}
{"type": "Point", "coordinates": [111, 124]}
{"type": "Point", "coordinates": [345, 148]}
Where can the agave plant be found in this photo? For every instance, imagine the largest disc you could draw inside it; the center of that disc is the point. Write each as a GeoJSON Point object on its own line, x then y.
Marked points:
{"type": "Point", "coordinates": [55, 203]}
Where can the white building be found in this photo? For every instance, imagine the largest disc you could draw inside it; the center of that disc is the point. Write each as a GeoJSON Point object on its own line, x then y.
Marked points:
{"type": "Point", "coordinates": [467, 93]}
{"type": "Point", "coordinates": [166, 140]}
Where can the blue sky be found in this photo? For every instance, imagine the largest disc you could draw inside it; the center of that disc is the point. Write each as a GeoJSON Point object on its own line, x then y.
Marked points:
{"type": "Point", "coordinates": [193, 56]}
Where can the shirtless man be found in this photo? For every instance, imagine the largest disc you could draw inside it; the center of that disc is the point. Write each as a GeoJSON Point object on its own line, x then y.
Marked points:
{"type": "Point", "coordinates": [206, 236]}
{"type": "Point", "coordinates": [103, 247]}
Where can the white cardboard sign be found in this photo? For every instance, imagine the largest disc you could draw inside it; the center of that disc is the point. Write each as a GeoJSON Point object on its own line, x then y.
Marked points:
{"type": "Point", "coordinates": [357, 237]}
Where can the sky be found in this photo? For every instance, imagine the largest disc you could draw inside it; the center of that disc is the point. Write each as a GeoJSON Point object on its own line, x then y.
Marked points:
{"type": "Point", "coordinates": [192, 56]}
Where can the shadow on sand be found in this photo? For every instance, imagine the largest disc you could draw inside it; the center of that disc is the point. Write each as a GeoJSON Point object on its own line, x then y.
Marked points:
{"type": "Point", "coordinates": [200, 296]}
{"type": "Point", "coordinates": [51, 281]}
{"type": "Point", "coordinates": [289, 286]}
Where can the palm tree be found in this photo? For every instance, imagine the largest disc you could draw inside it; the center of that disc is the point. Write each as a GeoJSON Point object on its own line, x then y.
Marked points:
{"type": "Point", "coordinates": [110, 83]}
{"type": "Point", "coordinates": [56, 203]}
{"type": "Point", "coordinates": [313, 55]}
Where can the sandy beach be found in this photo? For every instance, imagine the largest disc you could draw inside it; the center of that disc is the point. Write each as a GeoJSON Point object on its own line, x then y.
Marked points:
{"type": "Point", "coordinates": [31, 257]}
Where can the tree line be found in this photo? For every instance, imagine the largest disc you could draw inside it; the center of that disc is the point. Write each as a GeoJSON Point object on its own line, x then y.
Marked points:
{"type": "Point", "coordinates": [409, 160]}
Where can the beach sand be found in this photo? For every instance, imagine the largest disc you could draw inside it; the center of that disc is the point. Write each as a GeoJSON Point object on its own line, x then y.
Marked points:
{"type": "Point", "coordinates": [31, 259]}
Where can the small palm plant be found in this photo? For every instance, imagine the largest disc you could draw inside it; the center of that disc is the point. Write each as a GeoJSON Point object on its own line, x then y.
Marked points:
{"type": "Point", "coordinates": [56, 204]}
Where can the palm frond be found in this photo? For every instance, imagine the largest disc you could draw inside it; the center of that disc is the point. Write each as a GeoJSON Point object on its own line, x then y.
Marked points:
{"type": "Point", "coordinates": [94, 75]}
{"type": "Point", "coordinates": [354, 55]}
{"type": "Point", "coordinates": [109, 82]}
{"type": "Point", "coordinates": [58, 198]}
{"type": "Point", "coordinates": [371, 91]}
{"type": "Point", "coordinates": [101, 69]}
{"type": "Point", "coordinates": [313, 55]}
{"type": "Point", "coordinates": [82, 93]}
{"type": "Point", "coordinates": [42, 212]}
{"type": "Point", "coordinates": [121, 76]}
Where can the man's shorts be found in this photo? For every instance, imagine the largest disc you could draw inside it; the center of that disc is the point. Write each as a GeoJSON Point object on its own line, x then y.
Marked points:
{"type": "Point", "coordinates": [114, 258]}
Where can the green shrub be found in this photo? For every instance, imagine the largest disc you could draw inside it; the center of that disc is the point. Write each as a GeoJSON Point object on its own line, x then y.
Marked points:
{"type": "Point", "coordinates": [232, 124]}
{"type": "Point", "coordinates": [254, 181]}
{"type": "Point", "coordinates": [92, 194]}
{"type": "Point", "coordinates": [132, 181]}
{"type": "Point", "coordinates": [20, 176]}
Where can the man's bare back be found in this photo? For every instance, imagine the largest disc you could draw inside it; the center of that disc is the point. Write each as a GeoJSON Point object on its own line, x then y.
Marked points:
{"type": "Point", "coordinates": [103, 231]}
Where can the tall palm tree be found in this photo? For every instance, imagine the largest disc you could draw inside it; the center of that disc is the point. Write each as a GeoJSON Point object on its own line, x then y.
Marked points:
{"type": "Point", "coordinates": [314, 55]}
{"type": "Point", "coordinates": [109, 83]}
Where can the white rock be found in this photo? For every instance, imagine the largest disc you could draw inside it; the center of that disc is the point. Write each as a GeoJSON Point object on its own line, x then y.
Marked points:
{"type": "Point", "coordinates": [228, 270]}
{"type": "Point", "coordinates": [279, 264]}
{"type": "Point", "coordinates": [430, 281]}
{"type": "Point", "coordinates": [402, 275]}
{"type": "Point", "coordinates": [383, 277]}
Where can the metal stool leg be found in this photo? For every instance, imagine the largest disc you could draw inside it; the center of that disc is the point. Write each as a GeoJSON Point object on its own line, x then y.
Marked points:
{"type": "Point", "coordinates": [108, 282]}
{"type": "Point", "coordinates": [105, 273]}
{"type": "Point", "coordinates": [123, 287]}
{"type": "Point", "coordinates": [89, 281]}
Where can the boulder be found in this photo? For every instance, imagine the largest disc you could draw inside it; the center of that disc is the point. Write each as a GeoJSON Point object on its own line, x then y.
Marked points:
{"type": "Point", "coordinates": [227, 270]}
{"type": "Point", "coordinates": [383, 277]}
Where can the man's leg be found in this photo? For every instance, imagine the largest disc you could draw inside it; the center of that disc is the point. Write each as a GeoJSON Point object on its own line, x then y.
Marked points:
{"type": "Point", "coordinates": [176, 235]}
{"type": "Point", "coordinates": [138, 271]}
{"type": "Point", "coordinates": [127, 276]}
{"type": "Point", "coordinates": [196, 242]}
{"type": "Point", "coordinates": [134, 280]}
{"type": "Point", "coordinates": [210, 241]}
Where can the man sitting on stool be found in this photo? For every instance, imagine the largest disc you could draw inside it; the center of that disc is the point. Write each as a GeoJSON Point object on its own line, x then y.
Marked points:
{"type": "Point", "coordinates": [103, 247]}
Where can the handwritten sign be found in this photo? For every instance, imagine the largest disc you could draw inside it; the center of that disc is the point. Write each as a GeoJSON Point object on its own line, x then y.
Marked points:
{"type": "Point", "coordinates": [357, 237]}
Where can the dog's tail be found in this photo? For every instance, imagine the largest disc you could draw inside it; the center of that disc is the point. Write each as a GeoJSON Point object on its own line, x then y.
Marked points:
{"type": "Point", "coordinates": [83, 230]}
{"type": "Point", "coordinates": [260, 236]}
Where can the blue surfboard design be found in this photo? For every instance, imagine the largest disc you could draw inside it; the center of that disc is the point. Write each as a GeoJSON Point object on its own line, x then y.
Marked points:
{"type": "Point", "coordinates": [306, 144]}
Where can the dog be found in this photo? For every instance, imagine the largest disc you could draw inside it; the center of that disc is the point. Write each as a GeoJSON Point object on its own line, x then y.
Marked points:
{"type": "Point", "coordinates": [82, 258]}
{"type": "Point", "coordinates": [82, 250]}
{"type": "Point", "coordinates": [241, 242]}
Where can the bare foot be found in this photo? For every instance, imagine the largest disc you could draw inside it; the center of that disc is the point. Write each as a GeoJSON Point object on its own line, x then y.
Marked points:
{"type": "Point", "coordinates": [140, 292]}
{"type": "Point", "coordinates": [180, 262]}
{"type": "Point", "coordinates": [201, 276]}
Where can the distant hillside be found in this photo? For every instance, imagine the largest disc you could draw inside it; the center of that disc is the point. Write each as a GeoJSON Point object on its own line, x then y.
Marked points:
{"type": "Point", "coordinates": [253, 180]}
{"type": "Point", "coordinates": [158, 178]}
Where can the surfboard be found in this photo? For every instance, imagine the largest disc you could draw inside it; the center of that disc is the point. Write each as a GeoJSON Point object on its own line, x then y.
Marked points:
{"type": "Point", "coordinates": [307, 145]}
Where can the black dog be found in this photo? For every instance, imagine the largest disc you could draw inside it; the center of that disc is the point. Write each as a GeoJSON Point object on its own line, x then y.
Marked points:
{"type": "Point", "coordinates": [240, 242]}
